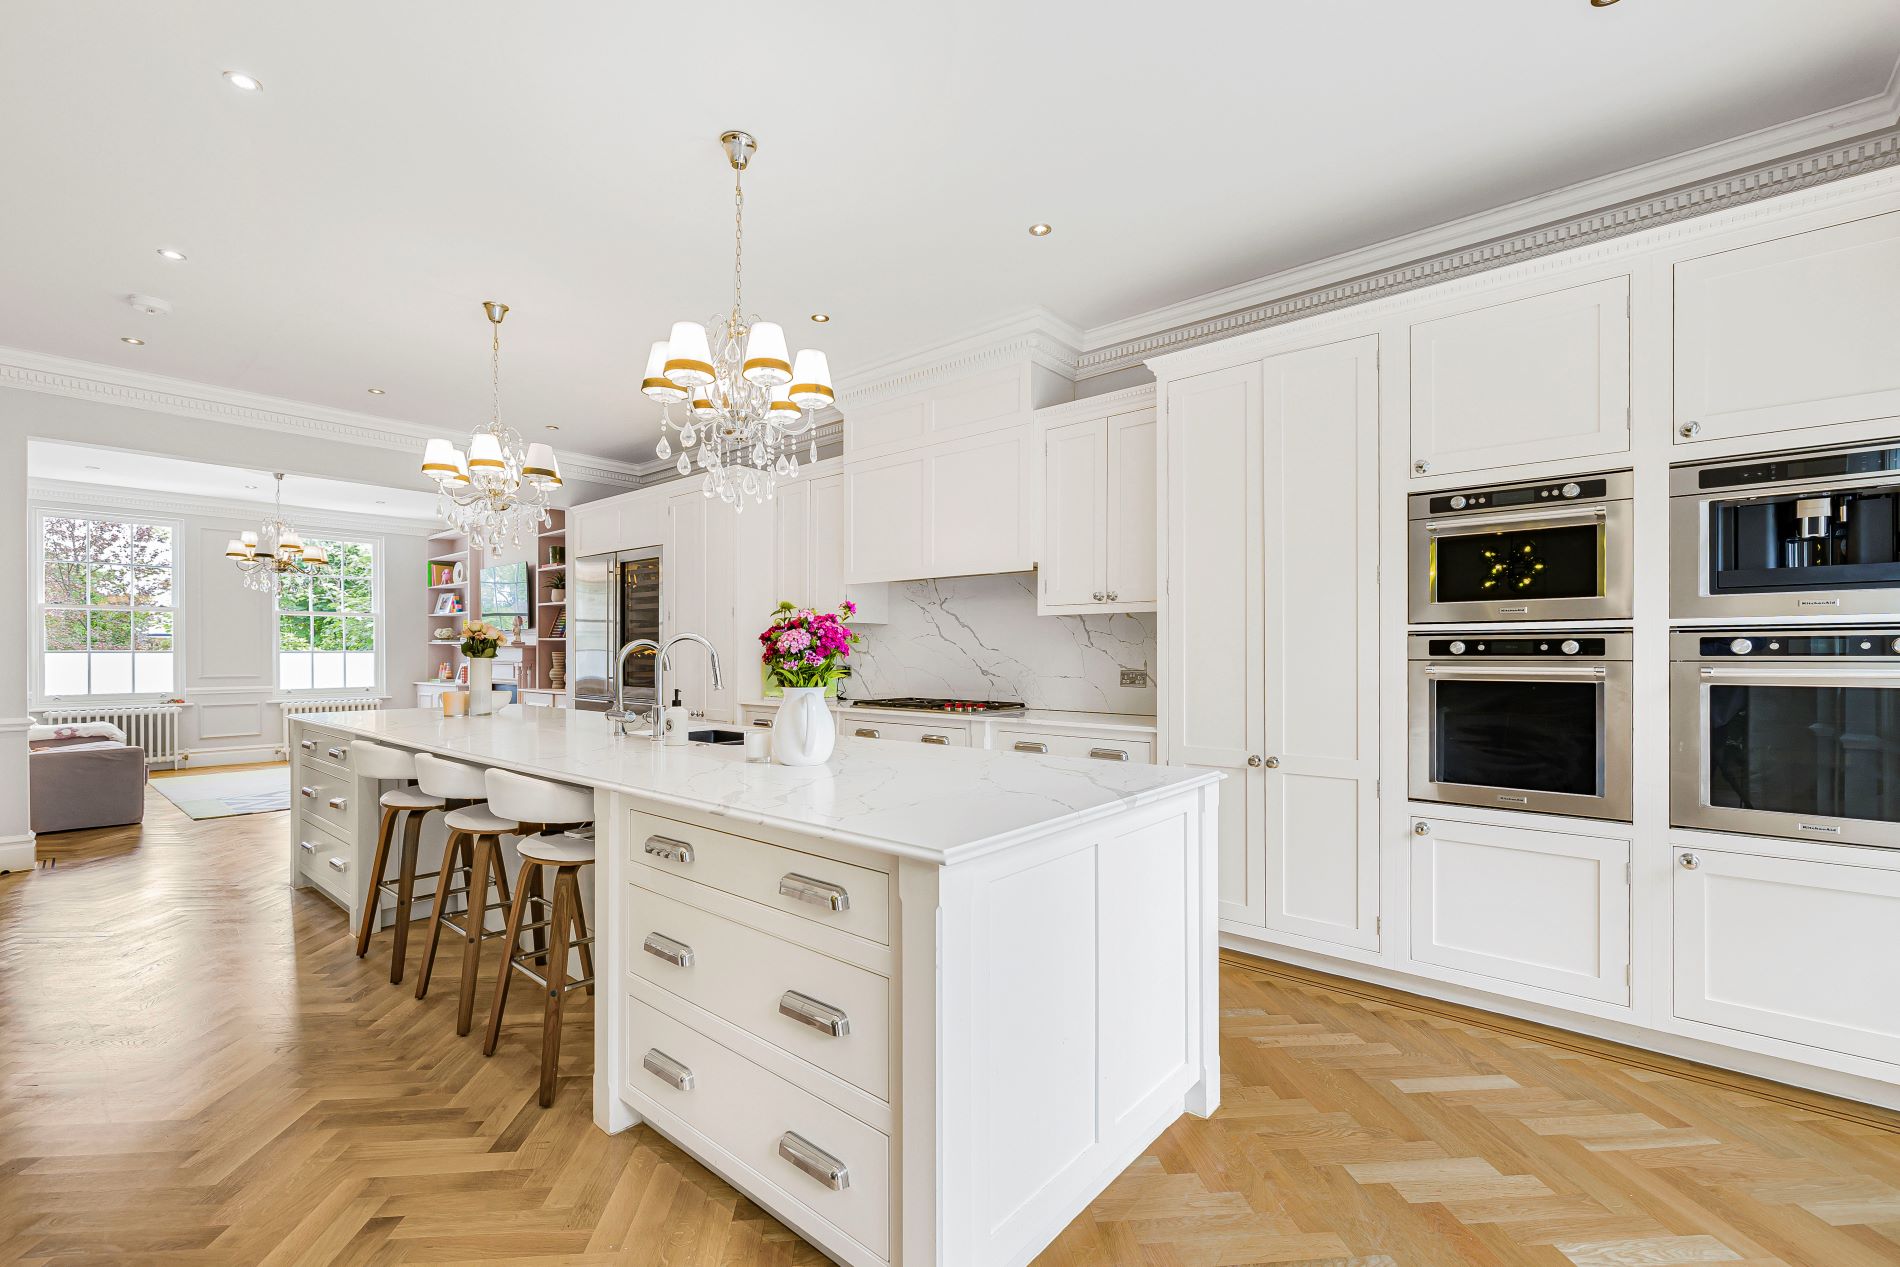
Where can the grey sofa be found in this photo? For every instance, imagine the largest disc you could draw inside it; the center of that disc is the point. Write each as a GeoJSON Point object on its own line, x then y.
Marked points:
{"type": "Point", "coordinates": [83, 782]}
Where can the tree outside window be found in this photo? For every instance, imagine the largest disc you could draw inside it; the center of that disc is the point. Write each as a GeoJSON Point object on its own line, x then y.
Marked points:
{"type": "Point", "coordinates": [326, 623]}
{"type": "Point", "coordinates": [107, 607]}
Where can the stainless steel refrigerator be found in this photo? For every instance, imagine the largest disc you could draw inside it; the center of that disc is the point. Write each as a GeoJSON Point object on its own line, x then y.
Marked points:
{"type": "Point", "coordinates": [613, 599]}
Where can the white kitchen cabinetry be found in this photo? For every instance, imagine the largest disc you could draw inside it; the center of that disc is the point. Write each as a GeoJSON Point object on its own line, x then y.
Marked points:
{"type": "Point", "coordinates": [1272, 630]}
{"type": "Point", "coordinates": [697, 596]}
{"type": "Point", "coordinates": [1789, 948]}
{"type": "Point", "coordinates": [1789, 333]}
{"type": "Point", "coordinates": [1540, 908]}
{"type": "Point", "coordinates": [1098, 551]}
{"type": "Point", "coordinates": [808, 550]}
{"type": "Point", "coordinates": [961, 508]}
{"type": "Point", "coordinates": [1529, 380]}
{"type": "Point", "coordinates": [999, 399]}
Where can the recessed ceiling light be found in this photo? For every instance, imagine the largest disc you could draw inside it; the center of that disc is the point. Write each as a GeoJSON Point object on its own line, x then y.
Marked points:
{"type": "Point", "coordinates": [170, 254]}
{"type": "Point", "coordinates": [821, 317]}
{"type": "Point", "coordinates": [251, 487]}
{"type": "Point", "coordinates": [380, 502]}
{"type": "Point", "coordinates": [249, 83]}
{"type": "Point", "coordinates": [1601, 4]}
{"type": "Point", "coordinates": [1039, 230]}
{"type": "Point", "coordinates": [95, 468]}
{"type": "Point", "coordinates": [137, 343]}
{"type": "Point", "coordinates": [377, 391]}
{"type": "Point", "coordinates": [554, 426]}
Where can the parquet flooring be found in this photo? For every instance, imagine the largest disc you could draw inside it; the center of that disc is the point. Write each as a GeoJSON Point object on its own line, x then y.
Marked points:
{"type": "Point", "coordinates": [194, 1068]}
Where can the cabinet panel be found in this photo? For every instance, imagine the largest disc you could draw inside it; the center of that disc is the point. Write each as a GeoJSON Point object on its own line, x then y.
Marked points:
{"type": "Point", "coordinates": [827, 547]}
{"type": "Point", "coordinates": [792, 543]}
{"type": "Point", "coordinates": [1075, 485]}
{"type": "Point", "coordinates": [697, 596]}
{"type": "Point", "coordinates": [889, 517]}
{"type": "Point", "coordinates": [1544, 909]}
{"type": "Point", "coordinates": [1131, 536]}
{"type": "Point", "coordinates": [1795, 332]}
{"type": "Point", "coordinates": [1531, 380]}
{"type": "Point", "coordinates": [1803, 951]}
{"type": "Point", "coordinates": [979, 507]}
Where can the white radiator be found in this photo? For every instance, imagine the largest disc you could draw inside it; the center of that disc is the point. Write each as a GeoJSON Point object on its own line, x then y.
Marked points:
{"type": "Point", "coordinates": [340, 704]}
{"type": "Point", "coordinates": [153, 727]}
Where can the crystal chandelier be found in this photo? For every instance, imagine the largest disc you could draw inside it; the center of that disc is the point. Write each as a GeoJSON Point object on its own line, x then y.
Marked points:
{"type": "Point", "coordinates": [746, 400]}
{"type": "Point", "coordinates": [275, 551]}
{"type": "Point", "coordinates": [496, 493]}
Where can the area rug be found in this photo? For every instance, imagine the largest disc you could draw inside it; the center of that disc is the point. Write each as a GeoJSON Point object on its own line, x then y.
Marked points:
{"type": "Point", "coordinates": [228, 793]}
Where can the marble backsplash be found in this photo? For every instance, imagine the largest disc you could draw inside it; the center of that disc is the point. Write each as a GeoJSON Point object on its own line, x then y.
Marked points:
{"type": "Point", "coordinates": [979, 637]}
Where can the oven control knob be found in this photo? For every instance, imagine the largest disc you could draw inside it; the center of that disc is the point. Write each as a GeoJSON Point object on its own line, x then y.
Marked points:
{"type": "Point", "coordinates": [1741, 646]}
{"type": "Point", "coordinates": [1571, 490]}
{"type": "Point", "coordinates": [1458, 502]}
{"type": "Point", "coordinates": [1570, 646]}
{"type": "Point", "coordinates": [1458, 648]}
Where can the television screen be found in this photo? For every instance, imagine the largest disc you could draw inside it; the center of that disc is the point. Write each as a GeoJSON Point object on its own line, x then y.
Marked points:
{"type": "Point", "coordinates": [505, 592]}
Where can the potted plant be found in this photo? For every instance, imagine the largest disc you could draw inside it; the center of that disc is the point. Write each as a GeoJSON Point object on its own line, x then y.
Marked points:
{"type": "Point", "coordinates": [480, 642]}
{"type": "Point", "coordinates": [804, 652]}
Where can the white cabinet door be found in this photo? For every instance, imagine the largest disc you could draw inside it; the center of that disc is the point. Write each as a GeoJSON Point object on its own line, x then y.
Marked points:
{"type": "Point", "coordinates": [1319, 676]}
{"type": "Point", "coordinates": [1212, 653]}
{"type": "Point", "coordinates": [1130, 526]}
{"type": "Point", "coordinates": [1803, 951]}
{"type": "Point", "coordinates": [1790, 333]}
{"type": "Point", "coordinates": [1544, 909]}
{"type": "Point", "coordinates": [697, 594]}
{"type": "Point", "coordinates": [980, 499]}
{"type": "Point", "coordinates": [792, 543]}
{"type": "Point", "coordinates": [889, 510]}
{"type": "Point", "coordinates": [827, 548]}
{"type": "Point", "coordinates": [1075, 488]}
{"type": "Point", "coordinates": [1530, 380]}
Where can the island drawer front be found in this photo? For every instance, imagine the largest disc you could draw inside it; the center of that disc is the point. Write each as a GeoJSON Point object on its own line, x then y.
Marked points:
{"type": "Point", "coordinates": [755, 870]}
{"type": "Point", "coordinates": [1054, 744]}
{"type": "Point", "coordinates": [743, 976]}
{"type": "Point", "coordinates": [325, 795]}
{"type": "Point", "coordinates": [317, 862]}
{"type": "Point", "coordinates": [747, 1110]}
{"type": "Point", "coordinates": [947, 735]}
{"type": "Point", "coordinates": [325, 746]}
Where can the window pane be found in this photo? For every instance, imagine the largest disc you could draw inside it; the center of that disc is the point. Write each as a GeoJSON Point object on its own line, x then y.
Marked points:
{"type": "Point", "coordinates": [326, 670]}
{"type": "Point", "coordinates": [326, 633]}
{"type": "Point", "coordinates": [65, 673]}
{"type": "Point", "coordinates": [360, 669]}
{"type": "Point", "coordinates": [293, 633]}
{"type": "Point", "coordinates": [359, 634]}
{"type": "Point", "coordinates": [65, 584]}
{"type": "Point", "coordinates": [112, 673]}
{"type": "Point", "coordinates": [152, 586]}
{"type": "Point", "coordinates": [65, 631]}
{"type": "Point", "coordinates": [293, 670]}
{"type": "Point", "coordinates": [65, 539]}
{"type": "Point", "coordinates": [152, 631]}
{"type": "Point", "coordinates": [152, 673]}
{"type": "Point", "coordinates": [111, 631]}
{"type": "Point", "coordinates": [110, 542]}
{"type": "Point", "coordinates": [150, 545]}
{"type": "Point", "coordinates": [357, 594]}
{"type": "Point", "coordinates": [111, 586]}
{"type": "Point", "coordinates": [296, 594]}
{"type": "Point", "coordinates": [326, 594]}
{"type": "Point", "coordinates": [352, 558]}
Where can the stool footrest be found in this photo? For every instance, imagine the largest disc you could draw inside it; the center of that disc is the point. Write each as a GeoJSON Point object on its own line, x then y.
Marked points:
{"type": "Point", "coordinates": [538, 979]}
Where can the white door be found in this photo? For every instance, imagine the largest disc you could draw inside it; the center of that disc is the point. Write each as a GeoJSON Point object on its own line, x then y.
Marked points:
{"type": "Point", "coordinates": [792, 543]}
{"type": "Point", "coordinates": [1213, 634]}
{"type": "Point", "coordinates": [1320, 534]}
{"type": "Point", "coordinates": [1803, 951]}
{"type": "Point", "coordinates": [887, 501]}
{"type": "Point", "coordinates": [696, 587]}
{"type": "Point", "coordinates": [1541, 908]}
{"type": "Point", "coordinates": [1130, 527]}
{"type": "Point", "coordinates": [1795, 332]}
{"type": "Point", "coordinates": [980, 495]}
{"type": "Point", "coordinates": [1531, 380]}
{"type": "Point", "coordinates": [1075, 484]}
{"type": "Point", "coordinates": [827, 542]}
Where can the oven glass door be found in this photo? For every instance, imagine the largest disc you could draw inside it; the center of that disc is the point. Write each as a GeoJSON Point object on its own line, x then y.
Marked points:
{"type": "Point", "coordinates": [1811, 751]}
{"type": "Point", "coordinates": [1532, 736]}
{"type": "Point", "coordinates": [1562, 563]}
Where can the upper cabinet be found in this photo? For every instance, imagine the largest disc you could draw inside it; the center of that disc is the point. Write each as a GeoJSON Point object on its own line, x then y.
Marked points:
{"type": "Point", "coordinates": [809, 547]}
{"type": "Point", "coordinates": [1530, 380]}
{"type": "Point", "coordinates": [1098, 506]}
{"type": "Point", "coordinates": [994, 400]}
{"type": "Point", "coordinates": [1790, 333]}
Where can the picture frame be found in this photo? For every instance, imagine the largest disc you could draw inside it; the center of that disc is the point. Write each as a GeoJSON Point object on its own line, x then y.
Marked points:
{"type": "Point", "coordinates": [445, 605]}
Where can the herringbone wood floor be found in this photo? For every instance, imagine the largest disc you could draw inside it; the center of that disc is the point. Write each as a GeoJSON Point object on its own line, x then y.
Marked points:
{"type": "Point", "coordinates": [195, 1069]}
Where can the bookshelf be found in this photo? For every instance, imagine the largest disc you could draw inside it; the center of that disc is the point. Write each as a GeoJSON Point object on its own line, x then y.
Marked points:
{"type": "Point", "coordinates": [452, 575]}
{"type": "Point", "coordinates": [549, 585]}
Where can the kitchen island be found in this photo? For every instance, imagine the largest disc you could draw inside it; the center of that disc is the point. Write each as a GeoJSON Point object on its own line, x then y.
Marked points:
{"type": "Point", "coordinates": [935, 1001]}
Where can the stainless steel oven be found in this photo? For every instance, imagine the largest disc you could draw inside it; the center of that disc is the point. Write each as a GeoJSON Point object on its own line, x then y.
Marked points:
{"type": "Point", "coordinates": [1797, 534]}
{"type": "Point", "coordinates": [1787, 732]}
{"type": "Point", "coordinates": [1558, 550]}
{"type": "Point", "coordinates": [1535, 722]}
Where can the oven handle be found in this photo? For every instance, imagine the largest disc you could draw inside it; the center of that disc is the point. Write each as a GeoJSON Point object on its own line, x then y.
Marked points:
{"type": "Point", "coordinates": [1513, 673]}
{"type": "Point", "coordinates": [1543, 514]}
{"type": "Point", "coordinates": [1767, 676]}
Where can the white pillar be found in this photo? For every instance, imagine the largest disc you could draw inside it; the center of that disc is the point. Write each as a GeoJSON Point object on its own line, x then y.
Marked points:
{"type": "Point", "coordinates": [16, 614]}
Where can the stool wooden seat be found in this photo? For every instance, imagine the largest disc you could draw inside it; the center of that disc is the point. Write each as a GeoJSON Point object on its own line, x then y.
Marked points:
{"type": "Point", "coordinates": [379, 762]}
{"type": "Point", "coordinates": [562, 917]}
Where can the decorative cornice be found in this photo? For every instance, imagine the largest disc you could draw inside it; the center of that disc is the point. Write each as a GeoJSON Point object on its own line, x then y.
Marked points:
{"type": "Point", "coordinates": [1036, 335]}
{"type": "Point", "coordinates": [1127, 400]}
{"type": "Point", "coordinates": [72, 495]}
{"type": "Point", "coordinates": [1767, 180]}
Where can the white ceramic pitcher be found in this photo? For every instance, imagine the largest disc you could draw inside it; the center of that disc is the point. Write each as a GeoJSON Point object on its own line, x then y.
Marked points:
{"type": "Point", "coordinates": [803, 733]}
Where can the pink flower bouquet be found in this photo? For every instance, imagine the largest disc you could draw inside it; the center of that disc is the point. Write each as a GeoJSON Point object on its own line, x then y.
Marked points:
{"type": "Point", "coordinates": [807, 648]}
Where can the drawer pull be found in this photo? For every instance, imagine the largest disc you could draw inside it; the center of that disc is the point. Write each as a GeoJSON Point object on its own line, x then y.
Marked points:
{"type": "Point", "coordinates": [677, 953]}
{"type": "Point", "coordinates": [938, 739]}
{"type": "Point", "coordinates": [1108, 754]}
{"type": "Point", "coordinates": [308, 793]}
{"type": "Point", "coordinates": [762, 721]}
{"type": "Point", "coordinates": [818, 892]}
{"type": "Point", "coordinates": [1027, 745]}
{"type": "Point", "coordinates": [308, 745]}
{"type": "Point", "coordinates": [670, 849]}
{"type": "Point", "coordinates": [337, 754]}
{"type": "Point", "coordinates": [866, 732]}
{"type": "Point", "coordinates": [814, 1161]}
{"type": "Point", "coordinates": [667, 1069]}
{"type": "Point", "coordinates": [339, 864]}
{"type": "Point", "coordinates": [308, 846]}
{"type": "Point", "coordinates": [339, 802]}
{"type": "Point", "coordinates": [821, 1016]}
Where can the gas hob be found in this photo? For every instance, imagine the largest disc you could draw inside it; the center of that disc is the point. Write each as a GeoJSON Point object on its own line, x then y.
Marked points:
{"type": "Point", "coordinates": [922, 704]}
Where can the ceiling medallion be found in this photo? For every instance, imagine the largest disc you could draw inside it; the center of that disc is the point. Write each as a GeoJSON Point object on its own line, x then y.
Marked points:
{"type": "Point", "coordinates": [747, 400]}
{"type": "Point", "coordinates": [496, 493]}
{"type": "Point", "coordinates": [275, 551]}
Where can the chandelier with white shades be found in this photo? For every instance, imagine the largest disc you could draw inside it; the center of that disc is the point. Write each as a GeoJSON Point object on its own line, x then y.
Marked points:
{"type": "Point", "coordinates": [747, 400]}
{"type": "Point", "coordinates": [276, 551]}
{"type": "Point", "coordinates": [496, 493]}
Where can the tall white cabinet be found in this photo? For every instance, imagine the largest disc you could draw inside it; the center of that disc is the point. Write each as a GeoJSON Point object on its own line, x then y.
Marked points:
{"type": "Point", "coordinates": [1098, 507]}
{"type": "Point", "coordinates": [1271, 528]}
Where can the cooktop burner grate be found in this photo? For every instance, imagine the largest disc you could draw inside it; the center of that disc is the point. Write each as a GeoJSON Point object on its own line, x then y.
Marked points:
{"type": "Point", "coordinates": [922, 704]}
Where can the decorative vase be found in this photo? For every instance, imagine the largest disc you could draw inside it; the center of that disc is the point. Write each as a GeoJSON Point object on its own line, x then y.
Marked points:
{"type": "Point", "coordinates": [557, 669]}
{"type": "Point", "coordinates": [803, 732]}
{"type": "Point", "coordinates": [481, 686]}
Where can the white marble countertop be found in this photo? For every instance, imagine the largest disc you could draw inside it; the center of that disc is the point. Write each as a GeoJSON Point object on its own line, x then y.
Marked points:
{"type": "Point", "coordinates": [1133, 723]}
{"type": "Point", "coordinates": [943, 805]}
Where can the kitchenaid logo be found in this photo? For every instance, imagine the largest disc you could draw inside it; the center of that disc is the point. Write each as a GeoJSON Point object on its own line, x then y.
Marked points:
{"type": "Point", "coordinates": [1513, 611]}
{"type": "Point", "coordinates": [1823, 828]}
{"type": "Point", "coordinates": [1817, 602]}
{"type": "Point", "coordinates": [1515, 800]}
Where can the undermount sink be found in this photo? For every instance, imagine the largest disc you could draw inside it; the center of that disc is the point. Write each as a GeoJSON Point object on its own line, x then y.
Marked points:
{"type": "Point", "coordinates": [716, 736]}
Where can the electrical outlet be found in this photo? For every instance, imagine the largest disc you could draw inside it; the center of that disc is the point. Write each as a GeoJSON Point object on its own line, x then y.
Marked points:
{"type": "Point", "coordinates": [1134, 677]}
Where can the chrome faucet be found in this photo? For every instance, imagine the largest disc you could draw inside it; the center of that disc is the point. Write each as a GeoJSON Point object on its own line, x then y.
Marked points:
{"type": "Point", "coordinates": [619, 713]}
{"type": "Point", "coordinates": [659, 677]}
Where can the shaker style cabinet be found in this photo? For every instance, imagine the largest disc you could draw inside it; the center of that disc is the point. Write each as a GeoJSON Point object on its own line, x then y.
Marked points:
{"type": "Point", "coordinates": [1790, 333]}
{"type": "Point", "coordinates": [960, 508]}
{"type": "Point", "coordinates": [697, 596]}
{"type": "Point", "coordinates": [1274, 630]}
{"type": "Point", "coordinates": [1530, 380]}
{"type": "Point", "coordinates": [1098, 548]}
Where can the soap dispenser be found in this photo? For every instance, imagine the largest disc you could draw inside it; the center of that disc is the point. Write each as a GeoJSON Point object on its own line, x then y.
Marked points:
{"type": "Point", "coordinates": [675, 723]}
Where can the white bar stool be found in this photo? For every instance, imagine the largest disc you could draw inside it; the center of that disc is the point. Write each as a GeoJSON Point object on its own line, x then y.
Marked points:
{"type": "Point", "coordinates": [565, 921]}
{"type": "Point", "coordinates": [473, 849]}
{"type": "Point", "coordinates": [378, 762]}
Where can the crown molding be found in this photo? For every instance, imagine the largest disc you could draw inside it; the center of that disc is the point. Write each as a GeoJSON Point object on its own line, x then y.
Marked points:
{"type": "Point", "coordinates": [1034, 334]}
{"type": "Point", "coordinates": [72, 495]}
{"type": "Point", "coordinates": [1126, 400]}
{"type": "Point", "coordinates": [156, 393]}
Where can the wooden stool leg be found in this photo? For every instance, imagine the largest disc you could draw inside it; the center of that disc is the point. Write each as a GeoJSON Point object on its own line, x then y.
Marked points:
{"type": "Point", "coordinates": [454, 852]}
{"type": "Point", "coordinates": [557, 982]}
{"type": "Point", "coordinates": [406, 893]}
{"type": "Point", "coordinates": [539, 937]}
{"type": "Point", "coordinates": [487, 861]}
{"type": "Point", "coordinates": [517, 915]}
{"type": "Point", "coordinates": [580, 930]}
{"type": "Point", "coordinates": [383, 833]}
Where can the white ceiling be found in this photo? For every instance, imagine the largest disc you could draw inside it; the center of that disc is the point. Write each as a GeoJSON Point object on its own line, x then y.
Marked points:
{"type": "Point", "coordinates": [406, 161]}
{"type": "Point", "coordinates": [118, 469]}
